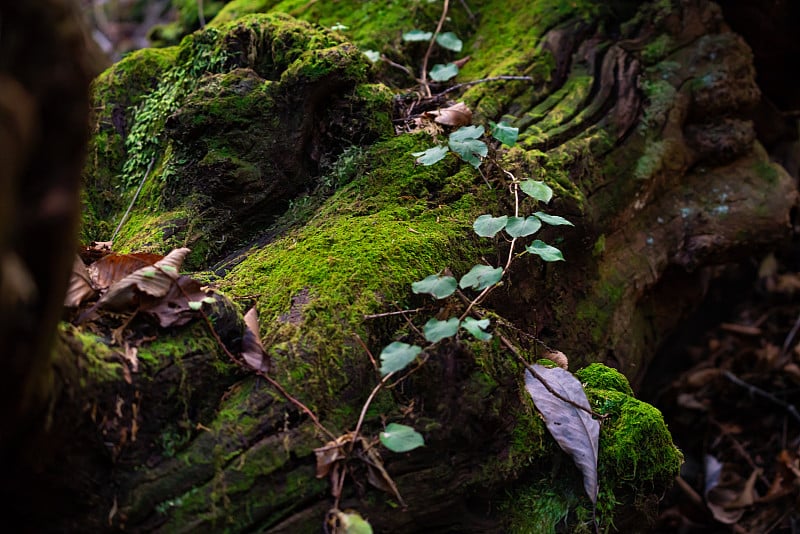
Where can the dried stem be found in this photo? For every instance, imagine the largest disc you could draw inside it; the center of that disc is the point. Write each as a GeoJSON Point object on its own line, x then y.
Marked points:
{"type": "Point", "coordinates": [424, 78]}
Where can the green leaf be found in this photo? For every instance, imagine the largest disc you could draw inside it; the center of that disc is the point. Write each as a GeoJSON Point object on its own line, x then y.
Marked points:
{"type": "Point", "coordinates": [488, 226]}
{"type": "Point", "coordinates": [538, 190]}
{"type": "Point", "coordinates": [209, 300]}
{"type": "Point", "coordinates": [466, 133]}
{"type": "Point", "coordinates": [450, 41]}
{"type": "Point", "coordinates": [553, 220]}
{"type": "Point", "coordinates": [505, 133]}
{"type": "Point", "coordinates": [442, 73]}
{"type": "Point", "coordinates": [480, 277]}
{"type": "Point", "coordinates": [476, 328]}
{"type": "Point", "coordinates": [373, 55]}
{"type": "Point", "coordinates": [466, 144]}
{"type": "Point", "coordinates": [432, 155]}
{"type": "Point", "coordinates": [523, 226]}
{"type": "Point", "coordinates": [339, 27]}
{"type": "Point", "coordinates": [195, 305]}
{"type": "Point", "coordinates": [545, 251]}
{"type": "Point", "coordinates": [401, 438]}
{"type": "Point", "coordinates": [436, 330]}
{"type": "Point", "coordinates": [396, 356]}
{"type": "Point", "coordinates": [352, 523]}
{"type": "Point", "coordinates": [436, 285]}
{"type": "Point", "coordinates": [417, 35]}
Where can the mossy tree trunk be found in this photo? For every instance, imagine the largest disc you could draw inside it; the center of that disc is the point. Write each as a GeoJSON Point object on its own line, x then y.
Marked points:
{"type": "Point", "coordinates": [272, 154]}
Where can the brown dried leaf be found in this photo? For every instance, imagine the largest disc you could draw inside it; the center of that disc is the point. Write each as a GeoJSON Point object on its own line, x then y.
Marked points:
{"type": "Point", "coordinates": [253, 351]}
{"type": "Point", "coordinates": [173, 308]}
{"type": "Point", "coordinates": [114, 267]}
{"type": "Point", "coordinates": [558, 358]}
{"type": "Point", "coordinates": [80, 286]}
{"type": "Point", "coordinates": [377, 474]}
{"type": "Point", "coordinates": [330, 453]}
{"type": "Point", "coordinates": [154, 280]}
{"type": "Point", "coordinates": [456, 115]}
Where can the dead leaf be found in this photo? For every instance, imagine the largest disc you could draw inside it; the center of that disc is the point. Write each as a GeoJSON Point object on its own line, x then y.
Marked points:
{"type": "Point", "coordinates": [114, 267]}
{"type": "Point", "coordinates": [456, 115]}
{"type": "Point", "coordinates": [173, 308]}
{"type": "Point", "coordinates": [154, 280]}
{"type": "Point", "coordinates": [253, 351]}
{"type": "Point", "coordinates": [724, 488]}
{"type": "Point", "coordinates": [331, 453]}
{"type": "Point", "coordinates": [558, 358]}
{"type": "Point", "coordinates": [575, 431]}
{"type": "Point", "coordinates": [80, 285]}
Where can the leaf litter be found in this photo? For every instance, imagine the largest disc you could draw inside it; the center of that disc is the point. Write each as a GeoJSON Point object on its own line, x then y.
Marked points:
{"type": "Point", "coordinates": [733, 410]}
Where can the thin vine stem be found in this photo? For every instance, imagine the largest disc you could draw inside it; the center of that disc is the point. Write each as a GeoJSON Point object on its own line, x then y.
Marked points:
{"type": "Point", "coordinates": [424, 75]}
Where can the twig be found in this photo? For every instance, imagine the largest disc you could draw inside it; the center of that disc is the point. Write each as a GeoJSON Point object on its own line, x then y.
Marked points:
{"type": "Point", "coordinates": [200, 15]}
{"type": "Point", "coordinates": [424, 74]}
{"type": "Point", "coordinates": [397, 65]}
{"type": "Point", "coordinates": [135, 196]}
{"type": "Point", "coordinates": [364, 408]}
{"type": "Point", "coordinates": [483, 80]}
{"type": "Point", "coordinates": [470, 14]}
{"type": "Point", "coordinates": [387, 314]}
{"type": "Point", "coordinates": [547, 386]}
{"type": "Point", "coordinates": [758, 391]}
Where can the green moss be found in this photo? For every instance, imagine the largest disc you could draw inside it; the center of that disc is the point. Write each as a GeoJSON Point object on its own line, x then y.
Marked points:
{"type": "Point", "coordinates": [363, 248]}
{"type": "Point", "coordinates": [657, 49]}
{"type": "Point", "coordinates": [103, 364]}
{"type": "Point", "coordinates": [766, 171]}
{"type": "Point", "coordinates": [598, 376]}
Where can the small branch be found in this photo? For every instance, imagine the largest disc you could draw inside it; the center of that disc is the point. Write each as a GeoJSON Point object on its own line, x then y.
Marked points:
{"type": "Point", "coordinates": [397, 65]}
{"type": "Point", "coordinates": [424, 78]}
{"type": "Point", "coordinates": [387, 314]}
{"type": "Point", "coordinates": [369, 353]}
{"type": "Point", "coordinates": [364, 408]}
{"type": "Point", "coordinates": [484, 80]}
{"type": "Point", "coordinates": [547, 386]}
{"type": "Point", "coordinates": [758, 391]}
{"type": "Point", "coordinates": [135, 196]}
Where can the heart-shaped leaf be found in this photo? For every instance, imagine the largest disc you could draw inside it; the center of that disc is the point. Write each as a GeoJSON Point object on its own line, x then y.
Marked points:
{"type": "Point", "coordinates": [523, 226]}
{"type": "Point", "coordinates": [545, 251]}
{"type": "Point", "coordinates": [466, 144]}
{"type": "Point", "coordinates": [505, 133]}
{"type": "Point", "coordinates": [476, 328]}
{"type": "Point", "coordinates": [436, 330]}
{"type": "Point", "coordinates": [538, 190]}
{"type": "Point", "coordinates": [432, 155]}
{"type": "Point", "coordinates": [397, 355]}
{"type": "Point", "coordinates": [488, 226]}
{"type": "Point", "coordinates": [417, 35]}
{"type": "Point", "coordinates": [442, 73]}
{"type": "Point", "coordinates": [401, 438]}
{"type": "Point", "coordinates": [436, 285]}
{"type": "Point", "coordinates": [552, 220]}
{"type": "Point", "coordinates": [450, 41]}
{"type": "Point", "coordinates": [481, 277]}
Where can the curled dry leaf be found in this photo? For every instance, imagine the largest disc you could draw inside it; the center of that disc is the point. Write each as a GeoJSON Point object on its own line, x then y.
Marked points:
{"type": "Point", "coordinates": [558, 358]}
{"type": "Point", "coordinates": [114, 267]}
{"type": "Point", "coordinates": [331, 453]}
{"type": "Point", "coordinates": [80, 285]}
{"type": "Point", "coordinates": [727, 494]}
{"type": "Point", "coordinates": [154, 280]}
{"type": "Point", "coordinates": [174, 308]}
{"type": "Point", "coordinates": [456, 115]}
{"type": "Point", "coordinates": [253, 351]}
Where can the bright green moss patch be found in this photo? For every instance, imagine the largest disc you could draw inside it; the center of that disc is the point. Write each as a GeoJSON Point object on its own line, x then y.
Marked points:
{"type": "Point", "coordinates": [598, 376]}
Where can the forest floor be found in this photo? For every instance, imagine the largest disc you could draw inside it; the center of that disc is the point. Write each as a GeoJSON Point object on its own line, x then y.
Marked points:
{"type": "Point", "coordinates": [729, 386]}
